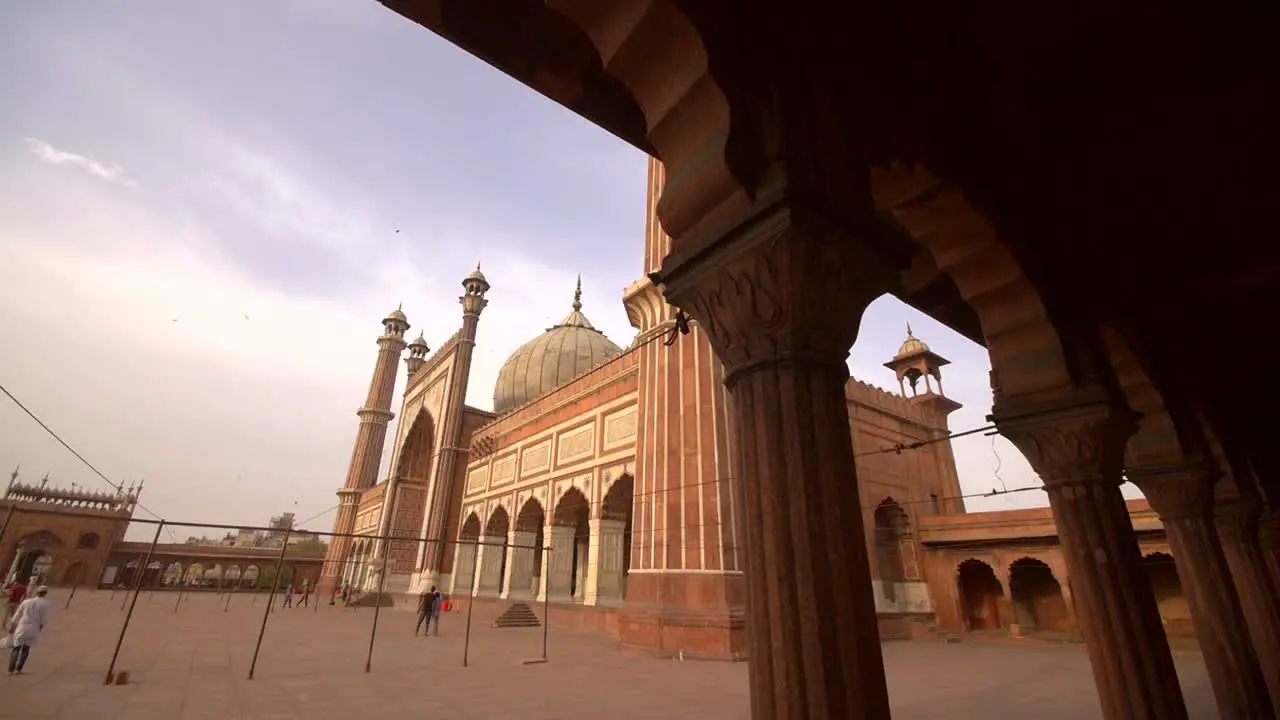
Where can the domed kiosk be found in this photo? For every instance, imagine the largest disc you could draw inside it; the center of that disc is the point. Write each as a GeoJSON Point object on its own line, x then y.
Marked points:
{"type": "Point", "coordinates": [562, 353]}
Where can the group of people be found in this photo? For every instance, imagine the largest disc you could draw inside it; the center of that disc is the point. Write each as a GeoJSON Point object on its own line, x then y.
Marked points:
{"type": "Point", "coordinates": [429, 606]}
{"type": "Point", "coordinates": [25, 618]}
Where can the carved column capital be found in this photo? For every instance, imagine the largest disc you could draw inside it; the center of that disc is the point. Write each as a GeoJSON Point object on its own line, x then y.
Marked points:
{"type": "Point", "coordinates": [787, 286]}
{"type": "Point", "coordinates": [1177, 492]}
{"type": "Point", "coordinates": [1238, 520]}
{"type": "Point", "coordinates": [1077, 438]}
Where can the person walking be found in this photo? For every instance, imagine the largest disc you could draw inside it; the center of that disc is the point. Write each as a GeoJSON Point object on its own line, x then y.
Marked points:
{"type": "Point", "coordinates": [288, 597]}
{"type": "Point", "coordinates": [437, 604]}
{"type": "Point", "coordinates": [424, 613]}
{"type": "Point", "coordinates": [27, 624]}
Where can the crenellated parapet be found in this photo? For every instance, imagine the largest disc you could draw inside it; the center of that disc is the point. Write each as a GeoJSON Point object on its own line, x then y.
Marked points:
{"type": "Point", "coordinates": [869, 395]}
{"type": "Point", "coordinates": [121, 501]}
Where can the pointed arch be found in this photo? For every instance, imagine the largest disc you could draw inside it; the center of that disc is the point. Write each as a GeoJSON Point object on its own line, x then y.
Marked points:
{"type": "Point", "coordinates": [498, 524]}
{"type": "Point", "coordinates": [981, 594]}
{"type": "Point", "coordinates": [1038, 602]}
{"type": "Point", "coordinates": [470, 528]}
{"type": "Point", "coordinates": [891, 530]}
{"type": "Point", "coordinates": [417, 452]}
{"type": "Point", "coordinates": [532, 516]}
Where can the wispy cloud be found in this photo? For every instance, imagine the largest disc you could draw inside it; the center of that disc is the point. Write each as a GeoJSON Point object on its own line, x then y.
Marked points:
{"type": "Point", "coordinates": [55, 156]}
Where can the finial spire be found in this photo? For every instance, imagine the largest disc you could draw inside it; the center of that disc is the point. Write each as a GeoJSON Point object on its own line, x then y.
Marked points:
{"type": "Point", "coordinates": [477, 266]}
{"type": "Point", "coordinates": [577, 295]}
{"type": "Point", "coordinates": [400, 306]}
{"type": "Point", "coordinates": [13, 478]}
{"type": "Point", "coordinates": [909, 330]}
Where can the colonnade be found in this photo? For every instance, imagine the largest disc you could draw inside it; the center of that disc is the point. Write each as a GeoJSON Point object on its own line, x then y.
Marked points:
{"type": "Point", "coordinates": [573, 568]}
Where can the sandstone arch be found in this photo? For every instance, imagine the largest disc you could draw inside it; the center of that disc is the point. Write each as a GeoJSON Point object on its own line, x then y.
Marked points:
{"type": "Point", "coordinates": [981, 595]}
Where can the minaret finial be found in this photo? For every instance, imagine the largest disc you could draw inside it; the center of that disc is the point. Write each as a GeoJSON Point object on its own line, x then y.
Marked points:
{"type": "Point", "coordinates": [13, 478]}
{"type": "Point", "coordinates": [477, 266]}
{"type": "Point", "coordinates": [577, 295]}
{"type": "Point", "coordinates": [400, 306]}
{"type": "Point", "coordinates": [909, 330]}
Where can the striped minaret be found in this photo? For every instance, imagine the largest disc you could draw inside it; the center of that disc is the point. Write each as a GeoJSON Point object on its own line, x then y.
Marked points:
{"type": "Point", "coordinates": [366, 457]}
{"type": "Point", "coordinates": [684, 590]}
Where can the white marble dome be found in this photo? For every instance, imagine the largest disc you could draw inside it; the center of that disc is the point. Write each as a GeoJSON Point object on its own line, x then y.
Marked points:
{"type": "Point", "coordinates": [565, 351]}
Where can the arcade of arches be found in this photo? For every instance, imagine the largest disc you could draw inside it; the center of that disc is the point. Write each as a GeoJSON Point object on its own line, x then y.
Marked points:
{"type": "Point", "coordinates": [805, 182]}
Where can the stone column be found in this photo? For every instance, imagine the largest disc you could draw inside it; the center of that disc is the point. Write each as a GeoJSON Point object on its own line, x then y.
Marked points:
{"type": "Point", "coordinates": [1183, 498]}
{"type": "Point", "coordinates": [780, 299]}
{"type": "Point", "coordinates": [604, 562]}
{"type": "Point", "coordinates": [464, 569]}
{"type": "Point", "coordinates": [1076, 443]}
{"type": "Point", "coordinates": [492, 548]}
{"type": "Point", "coordinates": [557, 565]}
{"type": "Point", "coordinates": [1237, 522]}
{"type": "Point", "coordinates": [518, 584]}
{"type": "Point", "coordinates": [1269, 540]}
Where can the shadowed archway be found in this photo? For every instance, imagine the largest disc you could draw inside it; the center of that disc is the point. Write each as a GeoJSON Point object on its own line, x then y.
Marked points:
{"type": "Point", "coordinates": [980, 595]}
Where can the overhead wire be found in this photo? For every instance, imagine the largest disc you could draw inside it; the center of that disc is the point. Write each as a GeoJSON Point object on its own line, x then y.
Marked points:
{"type": "Point", "coordinates": [118, 487]}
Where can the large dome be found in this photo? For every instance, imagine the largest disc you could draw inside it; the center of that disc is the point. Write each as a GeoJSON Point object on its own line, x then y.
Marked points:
{"type": "Point", "coordinates": [562, 353]}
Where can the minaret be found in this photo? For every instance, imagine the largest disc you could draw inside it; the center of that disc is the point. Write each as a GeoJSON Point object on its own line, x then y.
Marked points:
{"type": "Point", "coordinates": [443, 497]}
{"type": "Point", "coordinates": [370, 439]}
{"type": "Point", "coordinates": [686, 585]}
{"type": "Point", "coordinates": [417, 355]}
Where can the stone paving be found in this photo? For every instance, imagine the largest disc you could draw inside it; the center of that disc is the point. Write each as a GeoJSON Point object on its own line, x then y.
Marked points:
{"type": "Point", "coordinates": [192, 664]}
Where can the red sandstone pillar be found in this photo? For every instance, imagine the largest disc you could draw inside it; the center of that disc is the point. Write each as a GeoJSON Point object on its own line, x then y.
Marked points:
{"type": "Point", "coordinates": [1183, 498]}
{"type": "Point", "coordinates": [781, 308]}
{"type": "Point", "coordinates": [1237, 522]}
{"type": "Point", "coordinates": [1076, 444]}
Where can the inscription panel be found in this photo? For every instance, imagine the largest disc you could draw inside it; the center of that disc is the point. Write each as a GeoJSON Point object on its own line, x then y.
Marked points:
{"type": "Point", "coordinates": [576, 444]}
{"type": "Point", "coordinates": [536, 459]}
{"type": "Point", "coordinates": [620, 427]}
{"type": "Point", "coordinates": [477, 479]}
{"type": "Point", "coordinates": [504, 470]}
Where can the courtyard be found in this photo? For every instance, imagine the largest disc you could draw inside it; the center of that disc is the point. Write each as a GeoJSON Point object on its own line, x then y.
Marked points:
{"type": "Point", "coordinates": [193, 664]}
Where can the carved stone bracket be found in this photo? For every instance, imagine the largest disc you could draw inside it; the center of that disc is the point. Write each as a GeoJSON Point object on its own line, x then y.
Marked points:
{"type": "Point", "coordinates": [1074, 439]}
{"type": "Point", "coordinates": [1177, 492]}
{"type": "Point", "coordinates": [786, 286]}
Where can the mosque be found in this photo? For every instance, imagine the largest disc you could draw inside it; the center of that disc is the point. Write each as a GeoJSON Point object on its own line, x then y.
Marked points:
{"type": "Point", "coordinates": [617, 460]}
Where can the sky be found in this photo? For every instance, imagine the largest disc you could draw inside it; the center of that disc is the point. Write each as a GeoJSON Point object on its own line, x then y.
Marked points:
{"type": "Point", "coordinates": [206, 208]}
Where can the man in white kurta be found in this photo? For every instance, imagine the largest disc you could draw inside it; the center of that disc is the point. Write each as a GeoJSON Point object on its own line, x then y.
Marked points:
{"type": "Point", "coordinates": [26, 626]}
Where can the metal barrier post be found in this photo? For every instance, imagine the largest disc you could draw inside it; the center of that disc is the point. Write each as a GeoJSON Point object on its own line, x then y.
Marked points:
{"type": "Point", "coordinates": [471, 603]}
{"type": "Point", "coordinates": [382, 584]}
{"type": "Point", "coordinates": [128, 616]}
{"type": "Point", "coordinates": [546, 599]}
{"type": "Point", "coordinates": [271, 599]}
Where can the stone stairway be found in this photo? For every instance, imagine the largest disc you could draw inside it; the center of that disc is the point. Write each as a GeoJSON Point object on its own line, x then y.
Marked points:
{"type": "Point", "coordinates": [518, 615]}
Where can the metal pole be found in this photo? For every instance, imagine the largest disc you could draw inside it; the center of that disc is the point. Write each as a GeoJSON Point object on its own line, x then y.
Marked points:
{"type": "Point", "coordinates": [271, 599]}
{"type": "Point", "coordinates": [471, 603]}
{"type": "Point", "coordinates": [227, 606]}
{"type": "Point", "coordinates": [178, 603]}
{"type": "Point", "coordinates": [111, 669]}
{"type": "Point", "coordinates": [73, 594]}
{"type": "Point", "coordinates": [546, 598]}
{"type": "Point", "coordinates": [382, 583]}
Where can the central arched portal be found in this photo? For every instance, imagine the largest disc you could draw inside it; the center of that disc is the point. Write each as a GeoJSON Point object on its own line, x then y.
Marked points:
{"type": "Point", "coordinates": [406, 503]}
